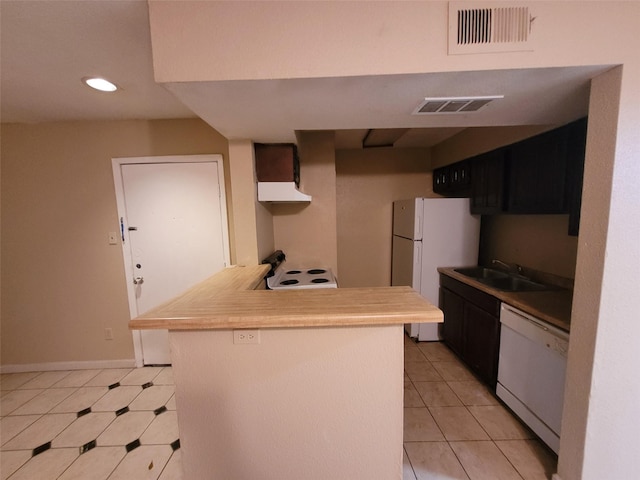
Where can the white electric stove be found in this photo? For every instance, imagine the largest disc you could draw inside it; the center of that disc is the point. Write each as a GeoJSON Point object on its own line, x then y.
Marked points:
{"type": "Point", "coordinates": [285, 277]}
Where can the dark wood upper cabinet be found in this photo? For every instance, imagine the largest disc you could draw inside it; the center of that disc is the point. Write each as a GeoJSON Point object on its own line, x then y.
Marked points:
{"type": "Point", "coordinates": [537, 172]}
{"type": "Point", "coordinates": [487, 182]}
{"type": "Point", "coordinates": [441, 180]}
{"type": "Point", "coordinates": [539, 175]}
{"type": "Point", "coordinates": [277, 162]}
{"type": "Point", "coordinates": [453, 180]}
{"type": "Point", "coordinates": [577, 133]}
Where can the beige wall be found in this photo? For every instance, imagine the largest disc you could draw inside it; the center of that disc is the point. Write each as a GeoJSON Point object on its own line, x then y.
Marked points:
{"type": "Point", "coordinates": [600, 319]}
{"type": "Point", "coordinates": [310, 403]}
{"type": "Point", "coordinates": [252, 227]}
{"type": "Point", "coordinates": [306, 232]}
{"type": "Point", "coordinates": [540, 242]}
{"type": "Point", "coordinates": [410, 37]}
{"type": "Point", "coordinates": [368, 182]}
{"type": "Point", "coordinates": [62, 283]}
{"type": "Point", "coordinates": [398, 37]}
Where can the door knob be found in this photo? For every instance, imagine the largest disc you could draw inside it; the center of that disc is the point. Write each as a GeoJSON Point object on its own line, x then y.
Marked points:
{"type": "Point", "coordinates": [138, 280]}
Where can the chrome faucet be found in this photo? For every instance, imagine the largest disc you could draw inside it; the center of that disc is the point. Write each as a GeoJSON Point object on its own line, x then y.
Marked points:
{"type": "Point", "coordinates": [515, 268]}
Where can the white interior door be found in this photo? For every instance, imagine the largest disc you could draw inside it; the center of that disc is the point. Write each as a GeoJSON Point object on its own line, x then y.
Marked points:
{"type": "Point", "coordinates": [175, 226]}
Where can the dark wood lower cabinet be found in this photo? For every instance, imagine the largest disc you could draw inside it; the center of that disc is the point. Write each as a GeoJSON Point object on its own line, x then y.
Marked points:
{"type": "Point", "coordinates": [453, 327]}
{"type": "Point", "coordinates": [471, 327]}
{"type": "Point", "coordinates": [482, 343]}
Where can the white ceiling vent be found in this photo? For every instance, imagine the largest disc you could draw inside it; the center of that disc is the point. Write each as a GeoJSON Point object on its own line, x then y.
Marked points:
{"type": "Point", "coordinates": [431, 105]}
{"type": "Point", "coordinates": [476, 27]}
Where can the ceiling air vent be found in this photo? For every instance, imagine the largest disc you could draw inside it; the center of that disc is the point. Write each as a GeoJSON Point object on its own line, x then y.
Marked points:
{"type": "Point", "coordinates": [494, 27]}
{"type": "Point", "coordinates": [431, 105]}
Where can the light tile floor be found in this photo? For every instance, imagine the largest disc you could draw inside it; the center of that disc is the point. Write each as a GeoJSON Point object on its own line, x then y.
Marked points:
{"type": "Point", "coordinates": [455, 429]}
{"type": "Point", "coordinates": [89, 425]}
{"type": "Point", "coordinates": [121, 424]}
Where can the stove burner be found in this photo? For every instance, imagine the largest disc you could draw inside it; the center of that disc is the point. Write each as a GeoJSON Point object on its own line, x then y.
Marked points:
{"type": "Point", "coordinates": [293, 272]}
{"type": "Point", "coordinates": [289, 282]}
{"type": "Point", "coordinates": [320, 280]}
{"type": "Point", "coordinates": [316, 271]}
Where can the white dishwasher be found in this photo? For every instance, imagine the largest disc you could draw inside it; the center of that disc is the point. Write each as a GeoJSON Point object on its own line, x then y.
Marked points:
{"type": "Point", "coordinates": [531, 371]}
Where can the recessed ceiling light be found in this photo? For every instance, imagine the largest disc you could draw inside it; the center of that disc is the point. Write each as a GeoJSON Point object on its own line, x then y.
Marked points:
{"type": "Point", "coordinates": [100, 84]}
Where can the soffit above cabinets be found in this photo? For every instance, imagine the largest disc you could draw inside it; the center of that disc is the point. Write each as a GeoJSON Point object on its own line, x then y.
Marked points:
{"type": "Point", "coordinates": [411, 138]}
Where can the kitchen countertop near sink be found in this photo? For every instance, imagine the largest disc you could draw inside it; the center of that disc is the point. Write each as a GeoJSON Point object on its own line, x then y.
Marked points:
{"type": "Point", "coordinates": [552, 306]}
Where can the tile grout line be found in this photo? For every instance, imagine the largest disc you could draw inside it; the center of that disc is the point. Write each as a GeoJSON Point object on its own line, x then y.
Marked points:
{"type": "Point", "coordinates": [175, 445]}
{"type": "Point", "coordinates": [491, 440]}
{"type": "Point", "coordinates": [138, 439]}
{"type": "Point", "coordinates": [404, 450]}
{"type": "Point", "coordinates": [425, 406]}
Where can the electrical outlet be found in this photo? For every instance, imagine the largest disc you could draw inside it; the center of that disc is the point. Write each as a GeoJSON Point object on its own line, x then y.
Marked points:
{"type": "Point", "coordinates": [108, 334]}
{"type": "Point", "coordinates": [246, 336]}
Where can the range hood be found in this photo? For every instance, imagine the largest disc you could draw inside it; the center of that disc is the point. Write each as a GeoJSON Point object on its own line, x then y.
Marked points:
{"type": "Point", "coordinates": [278, 173]}
{"type": "Point", "coordinates": [281, 192]}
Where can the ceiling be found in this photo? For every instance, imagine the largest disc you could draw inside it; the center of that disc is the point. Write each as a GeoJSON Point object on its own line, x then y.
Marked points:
{"type": "Point", "coordinates": [47, 47]}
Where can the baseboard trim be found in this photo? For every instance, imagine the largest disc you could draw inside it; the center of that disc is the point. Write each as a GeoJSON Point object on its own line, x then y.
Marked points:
{"type": "Point", "coordinates": [52, 366]}
{"type": "Point", "coordinates": [555, 476]}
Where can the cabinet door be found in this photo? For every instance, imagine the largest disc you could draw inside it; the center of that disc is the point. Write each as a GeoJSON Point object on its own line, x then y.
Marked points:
{"type": "Point", "coordinates": [575, 171]}
{"type": "Point", "coordinates": [481, 343]}
{"type": "Point", "coordinates": [441, 180]}
{"type": "Point", "coordinates": [453, 180]}
{"type": "Point", "coordinates": [452, 306]}
{"type": "Point", "coordinates": [537, 174]}
{"type": "Point", "coordinates": [487, 179]}
{"type": "Point", "coordinates": [277, 162]}
{"type": "Point", "coordinates": [460, 179]}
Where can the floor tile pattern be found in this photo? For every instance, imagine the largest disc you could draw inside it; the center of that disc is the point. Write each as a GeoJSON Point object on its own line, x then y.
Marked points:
{"type": "Point", "coordinates": [89, 425]}
{"type": "Point", "coordinates": [116, 424]}
{"type": "Point", "coordinates": [456, 429]}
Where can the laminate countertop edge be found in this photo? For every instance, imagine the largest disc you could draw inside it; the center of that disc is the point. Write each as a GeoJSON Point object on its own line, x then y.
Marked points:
{"type": "Point", "coordinates": [552, 306]}
{"type": "Point", "coordinates": [212, 305]}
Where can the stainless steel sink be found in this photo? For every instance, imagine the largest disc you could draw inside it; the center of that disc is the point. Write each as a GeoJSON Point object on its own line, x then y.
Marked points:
{"type": "Point", "coordinates": [481, 273]}
{"type": "Point", "coordinates": [499, 280]}
{"type": "Point", "coordinates": [513, 284]}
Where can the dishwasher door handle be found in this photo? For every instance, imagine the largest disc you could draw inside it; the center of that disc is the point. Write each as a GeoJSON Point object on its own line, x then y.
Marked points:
{"type": "Point", "coordinates": [524, 317]}
{"type": "Point", "coordinates": [511, 317]}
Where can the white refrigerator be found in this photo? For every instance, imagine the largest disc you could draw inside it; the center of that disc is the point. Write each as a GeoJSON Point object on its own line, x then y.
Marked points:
{"type": "Point", "coordinates": [429, 233]}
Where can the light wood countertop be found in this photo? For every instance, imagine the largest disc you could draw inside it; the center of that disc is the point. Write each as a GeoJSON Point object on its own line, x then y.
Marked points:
{"type": "Point", "coordinates": [552, 306]}
{"type": "Point", "coordinates": [228, 300]}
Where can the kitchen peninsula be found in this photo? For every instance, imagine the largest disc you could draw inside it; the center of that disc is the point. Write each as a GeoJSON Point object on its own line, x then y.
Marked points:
{"type": "Point", "coordinates": [291, 383]}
